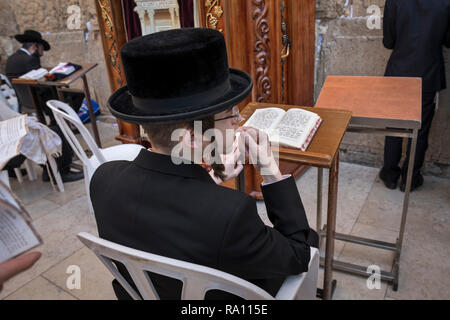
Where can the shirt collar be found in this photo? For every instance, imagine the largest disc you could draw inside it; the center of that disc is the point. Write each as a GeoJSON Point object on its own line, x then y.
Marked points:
{"type": "Point", "coordinates": [26, 51]}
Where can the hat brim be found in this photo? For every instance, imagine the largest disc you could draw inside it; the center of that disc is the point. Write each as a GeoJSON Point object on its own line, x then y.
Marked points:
{"type": "Point", "coordinates": [122, 107]}
{"type": "Point", "coordinates": [22, 38]}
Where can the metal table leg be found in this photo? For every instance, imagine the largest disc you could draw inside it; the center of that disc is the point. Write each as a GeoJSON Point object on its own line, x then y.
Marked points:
{"type": "Point", "coordinates": [331, 227]}
{"type": "Point", "coordinates": [319, 201]}
{"type": "Point", "coordinates": [91, 111]}
{"type": "Point", "coordinates": [412, 156]}
{"type": "Point", "coordinates": [393, 276]}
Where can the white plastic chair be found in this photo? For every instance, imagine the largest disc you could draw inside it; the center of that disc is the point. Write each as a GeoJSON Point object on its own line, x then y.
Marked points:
{"type": "Point", "coordinates": [63, 114]}
{"type": "Point", "coordinates": [8, 94]}
{"type": "Point", "coordinates": [197, 280]}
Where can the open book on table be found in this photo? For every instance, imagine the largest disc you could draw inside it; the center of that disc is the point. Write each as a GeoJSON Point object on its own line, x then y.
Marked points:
{"type": "Point", "coordinates": [35, 74]}
{"type": "Point", "coordinates": [17, 234]}
{"type": "Point", "coordinates": [294, 128]}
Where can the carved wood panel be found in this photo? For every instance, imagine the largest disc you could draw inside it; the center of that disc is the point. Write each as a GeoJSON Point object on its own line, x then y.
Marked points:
{"type": "Point", "coordinates": [113, 34]}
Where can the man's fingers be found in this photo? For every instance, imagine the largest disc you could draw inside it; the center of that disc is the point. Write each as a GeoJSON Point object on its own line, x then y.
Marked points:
{"type": "Point", "coordinates": [12, 267]}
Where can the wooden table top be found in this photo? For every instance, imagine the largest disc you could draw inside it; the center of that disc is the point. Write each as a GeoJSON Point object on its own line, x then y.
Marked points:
{"type": "Point", "coordinates": [325, 143]}
{"type": "Point", "coordinates": [375, 101]}
{"type": "Point", "coordinates": [86, 67]}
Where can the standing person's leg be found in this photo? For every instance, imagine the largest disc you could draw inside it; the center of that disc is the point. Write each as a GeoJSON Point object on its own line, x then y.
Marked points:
{"type": "Point", "coordinates": [428, 111]}
{"type": "Point", "coordinates": [390, 173]}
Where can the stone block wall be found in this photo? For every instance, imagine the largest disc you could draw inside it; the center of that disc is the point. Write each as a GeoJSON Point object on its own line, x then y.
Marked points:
{"type": "Point", "coordinates": [345, 45]}
{"type": "Point", "coordinates": [70, 41]}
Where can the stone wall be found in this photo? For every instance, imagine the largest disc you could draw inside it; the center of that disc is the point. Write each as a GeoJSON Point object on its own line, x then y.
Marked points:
{"type": "Point", "coordinates": [70, 41]}
{"type": "Point", "coordinates": [346, 46]}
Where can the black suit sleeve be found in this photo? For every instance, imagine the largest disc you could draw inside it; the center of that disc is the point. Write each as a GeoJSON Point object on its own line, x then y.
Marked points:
{"type": "Point", "coordinates": [389, 35]}
{"type": "Point", "coordinates": [252, 250]}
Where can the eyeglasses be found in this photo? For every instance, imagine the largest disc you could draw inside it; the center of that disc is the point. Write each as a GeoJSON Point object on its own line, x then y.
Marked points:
{"type": "Point", "coordinates": [236, 116]}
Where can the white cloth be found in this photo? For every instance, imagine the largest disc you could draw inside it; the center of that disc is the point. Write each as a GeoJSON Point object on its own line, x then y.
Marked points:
{"type": "Point", "coordinates": [40, 139]}
{"type": "Point", "coordinates": [40, 142]}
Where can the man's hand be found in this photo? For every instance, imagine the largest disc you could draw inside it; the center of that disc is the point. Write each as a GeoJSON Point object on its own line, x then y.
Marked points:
{"type": "Point", "coordinates": [259, 151]}
{"type": "Point", "coordinates": [12, 267]}
{"type": "Point", "coordinates": [232, 163]}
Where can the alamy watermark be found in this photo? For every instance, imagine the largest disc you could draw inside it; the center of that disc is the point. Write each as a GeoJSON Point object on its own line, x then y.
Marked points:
{"type": "Point", "coordinates": [374, 281]}
{"type": "Point", "coordinates": [374, 20]}
{"type": "Point", "coordinates": [73, 281]}
{"type": "Point", "coordinates": [74, 19]}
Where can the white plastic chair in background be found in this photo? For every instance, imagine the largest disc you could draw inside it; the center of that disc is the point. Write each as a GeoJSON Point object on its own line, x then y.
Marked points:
{"type": "Point", "coordinates": [31, 173]}
{"type": "Point", "coordinates": [8, 94]}
{"type": "Point", "coordinates": [64, 114]}
{"type": "Point", "coordinates": [197, 280]}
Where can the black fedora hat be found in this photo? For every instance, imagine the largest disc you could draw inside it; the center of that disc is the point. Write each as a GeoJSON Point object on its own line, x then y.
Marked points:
{"type": "Point", "coordinates": [32, 36]}
{"type": "Point", "coordinates": [177, 75]}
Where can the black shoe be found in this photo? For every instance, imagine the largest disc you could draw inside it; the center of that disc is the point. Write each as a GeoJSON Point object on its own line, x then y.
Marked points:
{"type": "Point", "coordinates": [72, 176]}
{"type": "Point", "coordinates": [389, 182]}
{"type": "Point", "coordinates": [417, 181]}
{"type": "Point", "coordinates": [66, 177]}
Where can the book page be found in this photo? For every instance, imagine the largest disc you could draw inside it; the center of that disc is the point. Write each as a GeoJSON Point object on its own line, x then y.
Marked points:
{"type": "Point", "coordinates": [35, 74]}
{"type": "Point", "coordinates": [13, 129]}
{"type": "Point", "coordinates": [265, 119]}
{"type": "Point", "coordinates": [7, 195]}
{"type": "Point", "coordinates": [61, 64]}
{"type": "Point", "coordinates": [8, 151]}
{"type": "Point", "coordinates": [17, 235]}
{"type": "Point", "coordinates": [11, 133]}
{"type": "Point", "coordinates": [295, 127]}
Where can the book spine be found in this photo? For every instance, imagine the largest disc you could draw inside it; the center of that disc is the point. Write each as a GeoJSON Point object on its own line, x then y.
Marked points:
{"type": "Point", "coordinates": [311, 135]}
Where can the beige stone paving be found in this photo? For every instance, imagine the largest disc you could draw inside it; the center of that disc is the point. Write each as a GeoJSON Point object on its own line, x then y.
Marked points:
{"type": "Point", "coordinates": [365, 208]}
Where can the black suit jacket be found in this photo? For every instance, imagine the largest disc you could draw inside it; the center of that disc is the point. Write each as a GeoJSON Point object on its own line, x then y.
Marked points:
{"type": "Point", "coordinates": [17, 65]}
{"type": "Point", "coordinates": [153, 205]}
{"type": "Point", "coordinates": [417, 30]}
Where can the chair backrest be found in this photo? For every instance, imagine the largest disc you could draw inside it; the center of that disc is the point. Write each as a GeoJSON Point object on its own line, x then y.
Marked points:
{"type": "Point", "coordinates": [8, 94]}
{"type": "Point", "coordinates": [64, 114]}
{"type": "Point", "coordinates": [197, 280]}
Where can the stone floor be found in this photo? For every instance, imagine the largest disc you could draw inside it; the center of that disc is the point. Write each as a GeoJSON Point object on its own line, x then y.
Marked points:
{"type": "Point", "coordinates": [365, 208]}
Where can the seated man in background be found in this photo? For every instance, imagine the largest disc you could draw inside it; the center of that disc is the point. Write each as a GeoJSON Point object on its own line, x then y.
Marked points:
{"type": "Point", "coordinates": [24, 60]}
{"type": "Point", "coordinates": [179, 87]}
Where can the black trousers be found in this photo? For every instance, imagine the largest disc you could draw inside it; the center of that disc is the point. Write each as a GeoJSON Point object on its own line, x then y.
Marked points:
{"type": "Point", "coordinates": [393, 145]}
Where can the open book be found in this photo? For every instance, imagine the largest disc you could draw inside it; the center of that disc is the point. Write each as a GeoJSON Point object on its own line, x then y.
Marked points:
{"type": "Point", "coordinates": [35, 74]}
{"type": "Point", "coordinates": [63, 68]}
{"type": "Point", "coordinates": [294, 128]}
{"type": "Point", "coordinates": [12, 132]}
{"type": "Point", "coordinates": [17, 234]}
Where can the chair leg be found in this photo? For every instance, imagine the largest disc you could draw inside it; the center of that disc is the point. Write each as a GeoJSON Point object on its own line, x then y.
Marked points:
{"type": "Point", "coordinates": [56, 173]}
{"type": "Point", "coordinates": [86, 184]}
{"type": "Point", "coordinates": [19, 175]}
{"type": "Point", "coordinates": [30, 170]}
{"type": "Point", "coordinates": [4, 177]}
